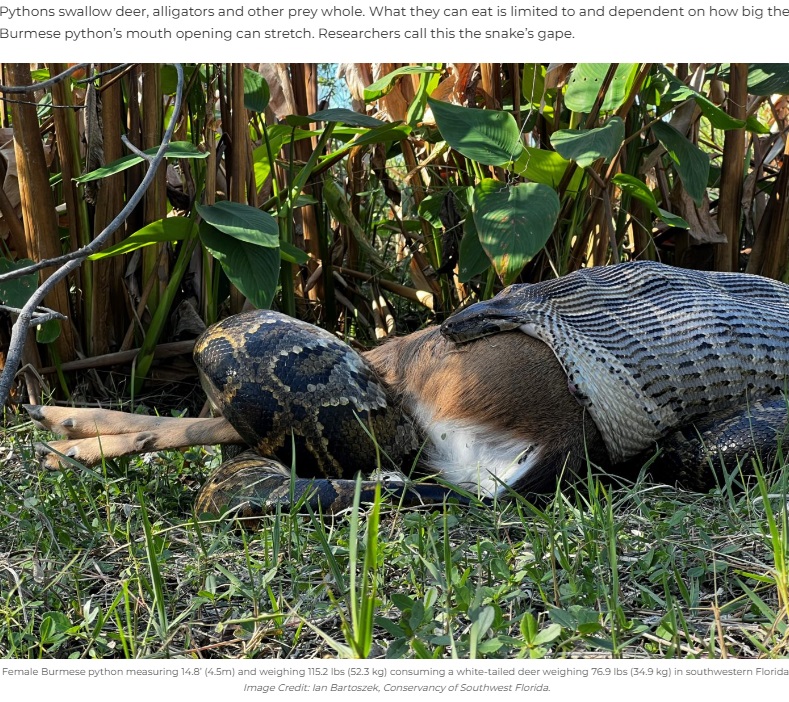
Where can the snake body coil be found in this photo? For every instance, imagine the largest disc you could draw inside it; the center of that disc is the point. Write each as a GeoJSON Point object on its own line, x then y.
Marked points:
{"type": "Point", "coordinates": [285, 384]}
{"type": "Point", "coordinates": [298, 394]}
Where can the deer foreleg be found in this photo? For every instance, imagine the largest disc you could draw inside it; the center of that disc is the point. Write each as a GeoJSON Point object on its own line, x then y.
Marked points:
{"type": "Point", "coordinates": [93, 434]}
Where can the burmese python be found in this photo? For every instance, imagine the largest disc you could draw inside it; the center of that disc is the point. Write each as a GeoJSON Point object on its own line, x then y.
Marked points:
{"type": "Point", "coordinates": [654, 353]}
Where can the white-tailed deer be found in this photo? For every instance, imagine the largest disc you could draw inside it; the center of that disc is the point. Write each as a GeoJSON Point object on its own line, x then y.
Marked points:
{"type": "Point", "coordinates": [491, 413]}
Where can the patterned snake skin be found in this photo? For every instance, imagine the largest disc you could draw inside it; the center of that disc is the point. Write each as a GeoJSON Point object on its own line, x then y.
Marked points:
{"type": "Point", "coordinates": [648, 350]}
{"type": "Point", "coordinates": [300, 395]}
{"type": "Point", "coordinates": [271, 375]}
{"type": "Point", "coordinates": [647, 347]}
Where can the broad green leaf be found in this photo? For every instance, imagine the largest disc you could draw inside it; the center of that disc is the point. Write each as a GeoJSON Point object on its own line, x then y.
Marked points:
{"type": "Point", "coordinates": [407, 225]}
{"type": "Point", "coordinates": [48, 332]}
{"type": "Point", "coordinates": [490, 645]}
{"type": "Point", "coordinates": [417, 616]}
{"type": "Point", "coordinates": [752, 124]}
{"type": "Point", "coordinates": [386, 133]}
{"type": "Point", "coordinates": [261, 165]}
{"type": "Point", "coordinates": [281, 135]}
{"type": "Point", "coordinates": [303, 200]}
{"type": "Point", "coordinates": [169, 77]}
{"type": "Point", "coordinates": [256, 91]}
{"type": "Point", "coordinates": [45, 630]}
{"type": "Point", "coordinates": [763, 78]}
{"type": "Point", "coordinates": [292, 254]}
{"type": "Point", "coordinates": [639, 190]}
{"type": "Point", "coordinates": [692, 164]}
{"type": "Point", "coordinates": [513, 222]}
{"type": "Point", "coordinates": [430, 209]}
{"type": "Point", "coordinates": [242, 222]}
{"type": "Point", "coordinates": [390, 627]}
{"type": "Point", "coordinates": [768, 79]}
{"type": "Point", "coordinates": [533, 83]}
{"type": "Point", "coordinates": [543, 166]}
{"type": "Point", "coordinates": [16, 293]}
{"type": "Point", "coordinates": [401, 601]}
{"type": "Point", "coordinates": [175, 149]}
{"type": "Point", "coordinates": [490, 137]}
{"type": "Point", "coordinates": [420, 649]}
{"type": "Point", "coordinates": [480, 626]}
{"type": "Point", "coordinates": [337, 114]}
{"type": "Point", "coordinates": [278, 135]}
{"type": "Point", "coordinates": [576, 618]}
{"type": "Point", "coordinates": [416, 110]}
{"type": "Point", "coordinates": [167, 229]}
{"type": "Point", "coordinates": [253, 269]}
{"type": "Point", "coordinates": [590, 627]}
{"type": "Point", "coordinates": [382, 86]}
{"type": "Point", "coordinates": [672, 219]}
{"type": "Point", "coordinates": [472, 259]}
{"type": "Point", "coordinates": [585, 146]}
{"type": "Point", "coordinates": [399, 648]}
{"type": "Point", "coordinates": [528, 627]}
{"type": "Point", "coordinates": [586, 81]}
{"type": "Point", "coordinates": [40, 75]}
{"type": "Point", "coordinates": [679, 92]}
{"type": "Point", "coordinates": [547, 635]}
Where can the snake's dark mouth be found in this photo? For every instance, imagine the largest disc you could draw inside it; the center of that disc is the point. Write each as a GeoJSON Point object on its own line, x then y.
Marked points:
{"type": "Point", "coordinates": [464, 327]}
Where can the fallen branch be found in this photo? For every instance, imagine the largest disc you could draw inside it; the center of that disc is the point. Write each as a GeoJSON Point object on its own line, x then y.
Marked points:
{"type": "Point", "coordinates": [173, 348]}
{"type": "Point", "coordinates": [421, 296]}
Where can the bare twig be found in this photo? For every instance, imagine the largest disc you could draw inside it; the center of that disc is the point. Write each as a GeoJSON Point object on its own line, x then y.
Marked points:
{"type": "Point", "coordinates": [11, 101]}
{"type": "Point", "coordinates": [44, 84]}
{"type": "Point", "coordinates": [73, 260]}
{"type": "Point", "coordinates": [44, 314]}
{"type": "Point", "coordinates": [137, 152]}
{"type": "Point", "coordinates": [121, 68]}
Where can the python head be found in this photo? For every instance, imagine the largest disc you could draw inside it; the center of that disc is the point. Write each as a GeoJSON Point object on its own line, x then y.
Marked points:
{"type": "Point", "coordinates": [499, 314]}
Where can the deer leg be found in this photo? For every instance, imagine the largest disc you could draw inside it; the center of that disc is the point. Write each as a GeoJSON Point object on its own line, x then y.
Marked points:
{"type": "Point", "coordinates": [94, 434]}
{"type": "Point", "coordinates": [81, 423]}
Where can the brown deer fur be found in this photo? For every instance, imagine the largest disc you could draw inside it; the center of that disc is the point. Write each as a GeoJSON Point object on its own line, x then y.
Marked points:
{"type": "Point", "coordinates": [508, 389]}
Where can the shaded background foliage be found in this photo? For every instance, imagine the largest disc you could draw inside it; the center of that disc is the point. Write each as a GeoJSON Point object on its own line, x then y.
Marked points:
{"type": "Point", "coordinates": [368, 198]}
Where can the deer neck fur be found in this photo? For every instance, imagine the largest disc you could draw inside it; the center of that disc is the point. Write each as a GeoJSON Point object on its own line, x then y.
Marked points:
{"type": "Point", "coordinates": [490, 410]}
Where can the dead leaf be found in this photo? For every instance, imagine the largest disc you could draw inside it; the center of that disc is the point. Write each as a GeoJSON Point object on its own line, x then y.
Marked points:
{"type": "Point", "coordinates": [703, 228]}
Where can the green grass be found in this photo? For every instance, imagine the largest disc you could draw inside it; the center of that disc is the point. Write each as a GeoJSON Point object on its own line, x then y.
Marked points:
{"type": "Point", "coordinates": [111, 562]}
